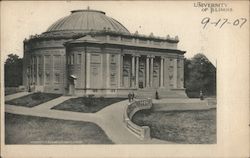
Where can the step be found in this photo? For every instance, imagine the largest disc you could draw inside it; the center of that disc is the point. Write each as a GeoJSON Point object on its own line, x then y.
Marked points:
{"type": "Point", "coordinates": [163, 93]}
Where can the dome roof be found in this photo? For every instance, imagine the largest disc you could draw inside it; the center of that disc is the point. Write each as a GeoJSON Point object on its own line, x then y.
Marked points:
{"type": "Point", "coordinates": [86, 21]}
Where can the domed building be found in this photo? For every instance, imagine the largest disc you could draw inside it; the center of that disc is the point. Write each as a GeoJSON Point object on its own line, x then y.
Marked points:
{"type": "Point", "coordinates": [89, 53]}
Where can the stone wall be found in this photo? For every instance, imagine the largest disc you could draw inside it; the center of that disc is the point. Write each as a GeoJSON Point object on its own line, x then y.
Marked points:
{"type": "Point", "coordinates": [44, 66]}
{"type": "Point", "coordinates": [142, 132]}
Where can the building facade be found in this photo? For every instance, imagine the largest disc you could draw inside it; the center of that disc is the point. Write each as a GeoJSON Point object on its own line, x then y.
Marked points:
{"type": "Point", "coordinates": [88, 52]}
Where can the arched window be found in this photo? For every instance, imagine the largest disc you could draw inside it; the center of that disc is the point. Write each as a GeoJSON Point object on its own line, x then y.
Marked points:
{"type": "Point", "coordinates": [155, 74]}
{"type": "Point", "coordinates": [140, 73]}
{"type": "Point", "coordinates": [125, 73]}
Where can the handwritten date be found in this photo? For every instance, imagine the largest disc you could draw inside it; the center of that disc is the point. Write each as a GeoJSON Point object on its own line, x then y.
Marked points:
{"type": "Point", "coordinates": [222, 22]}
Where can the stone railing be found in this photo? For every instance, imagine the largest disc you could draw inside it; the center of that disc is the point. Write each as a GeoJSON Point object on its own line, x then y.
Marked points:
{"type": "Point", "coordinates": [143, 132]}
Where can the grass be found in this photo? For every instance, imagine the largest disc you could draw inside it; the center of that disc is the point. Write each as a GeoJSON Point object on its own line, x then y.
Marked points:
{"type": "Point", "coordinates": [34, 99]}
{"type": "Point", "coordinates": [86, 104]}
{"type": "Point", "coordinates": [186, 127]}
{"type": "Point", "coordinates": [20, 129]}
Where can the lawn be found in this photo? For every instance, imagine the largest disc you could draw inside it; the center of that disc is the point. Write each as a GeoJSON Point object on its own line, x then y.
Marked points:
{"type": "Point", "coordinates": [34, 99]}
{"type": "Point", "coordinates": [86, 104]}
{"type": "Point", "coordinates": [20, 129]}
{"type": "Point", "coordinates": [185, 127]}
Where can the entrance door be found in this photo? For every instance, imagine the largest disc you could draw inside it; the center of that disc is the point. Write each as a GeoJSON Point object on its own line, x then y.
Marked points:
{"type": "Point", "coordinates": [126, 78]}
{"type": "Point", "coordinates": [71, 86]}
{"type": "Point", "coordinates": [156, 78]}
{"type": "Point", "coordinates": [141, 79]}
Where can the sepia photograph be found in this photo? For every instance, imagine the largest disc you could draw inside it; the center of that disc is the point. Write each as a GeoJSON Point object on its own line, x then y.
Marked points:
{"type": "Point", "coordinates": [96, 75]}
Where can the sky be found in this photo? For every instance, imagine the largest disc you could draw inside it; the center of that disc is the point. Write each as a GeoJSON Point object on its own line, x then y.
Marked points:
{"type": "Point", "coordinates": [19, 20]}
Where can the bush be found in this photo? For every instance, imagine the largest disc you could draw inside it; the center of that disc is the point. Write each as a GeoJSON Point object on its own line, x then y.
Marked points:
{"type": "Point", "coordinates": [193, 94]}
{"type": "Point", "coordinates": [199, 74]}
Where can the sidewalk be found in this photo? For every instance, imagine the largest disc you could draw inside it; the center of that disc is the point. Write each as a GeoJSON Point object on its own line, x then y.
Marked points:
{"type": "Point", "coordinates": [110, 119]}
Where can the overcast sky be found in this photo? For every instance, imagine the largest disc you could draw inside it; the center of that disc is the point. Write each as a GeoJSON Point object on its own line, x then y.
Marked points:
{"type": "Point", "coordinates": [19, 20]}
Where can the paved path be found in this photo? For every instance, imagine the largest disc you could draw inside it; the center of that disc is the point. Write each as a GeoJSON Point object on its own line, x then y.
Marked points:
{"type": "Point", "coordinates": [110, 119]}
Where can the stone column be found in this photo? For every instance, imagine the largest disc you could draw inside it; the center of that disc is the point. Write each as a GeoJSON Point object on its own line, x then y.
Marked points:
{"type": "Point", "coordinates": [37, 69]}
{"type": "Point", "coordinates": [175, 74]}
{"type": "Point", "coordinates": [137, 72]}
{"type": "Point", "coordinates": [147, 71]}
{"type": "Point", "coordinates": [151, 71]}
{"type": "Point", "coordinates": [108, 70]}
{"type": "Point", "coordinates": [121, 70]}
{"type": "Point", "coordinates": [44, 70]}
{"type": "Point", "coordinates": [32, 69]}
{"type": "Point", "coordinates": [88, 71]}
{"type": "Point", "coordinates": [52, 70]}
{"type": "Point", "coordinates": [181, 69]}
{"type": "Point", "coordinates": [133, 71]}
{"type": "Point", "coordinates": [162, 72]}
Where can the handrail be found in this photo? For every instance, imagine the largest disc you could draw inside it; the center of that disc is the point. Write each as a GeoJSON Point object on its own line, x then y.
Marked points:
{"type": "Point", "coordinates": [143, 132]}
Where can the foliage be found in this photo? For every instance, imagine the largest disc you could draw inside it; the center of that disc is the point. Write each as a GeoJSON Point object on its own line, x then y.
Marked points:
{"type": "Point", "coordinates": [200, 74]}
{"type": "Point", "coordinates": [13, 68]}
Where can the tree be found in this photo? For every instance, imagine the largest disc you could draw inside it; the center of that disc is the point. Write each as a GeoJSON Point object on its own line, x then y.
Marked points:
{"type": "Point", "coordinates": [13, 67]}
{"type": "Point", "coordinates": [200, 74]}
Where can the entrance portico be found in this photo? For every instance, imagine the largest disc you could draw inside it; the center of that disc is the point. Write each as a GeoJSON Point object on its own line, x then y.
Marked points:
{"type": "Point", "coordinates": [110, 70]}
{"type": "Point", "coordinates": [145, 71]}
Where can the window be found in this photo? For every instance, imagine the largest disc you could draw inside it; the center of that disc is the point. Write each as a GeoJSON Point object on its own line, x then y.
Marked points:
{"type": "Point", "coordinates": [39, 61]}
{"type": "Point", "coordinates": [94, 70]}
{"type": "Point", "coordinates": [72, 59]}
{"type": "Point", "coordinates": [57, 78]}
{"type": "Point", "coordinates": [78, 60]}
{"type": "Point", "coordinates": [40, 78]}
{"type": "Point", "coordinates": [57, 61]}
{"type": "Point", "coordinates": [68, 60]}
{"type": "Point", "coordinates": [47, 61]}
{"type": "Point", "coordinates": [112, 78]}
{"type": "Point", "coordinates": [140, 73]}
{"type": "Point", "coordinates": [47, 77]}
{"type": "Point", "coordinates": [125, 73]}
{"type": "Point", "coordinates": [112, 59]}
{"type": "Point", "coordinates": [155, 74]}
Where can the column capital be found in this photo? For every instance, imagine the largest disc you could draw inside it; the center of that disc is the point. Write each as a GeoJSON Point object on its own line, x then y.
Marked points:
{"type": "Point", "coordinates": [136, 55]}
{"type": "Point", "coordinates": [165, 57]}
{"type": "Point", "coordinates": [150, 56]}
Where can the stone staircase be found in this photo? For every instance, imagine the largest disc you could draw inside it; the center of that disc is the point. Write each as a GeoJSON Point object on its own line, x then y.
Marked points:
{"type": "Point", "coordinates": [162, 92]}
{"type": "Point", "coordinates": [145, 93]}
